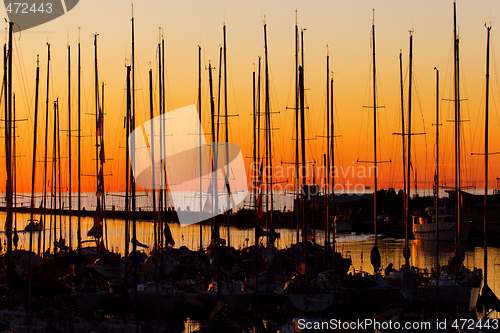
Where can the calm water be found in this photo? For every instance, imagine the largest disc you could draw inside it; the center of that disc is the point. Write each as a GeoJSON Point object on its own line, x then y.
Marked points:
{"type": "Point", "coordinates": [358, 247]}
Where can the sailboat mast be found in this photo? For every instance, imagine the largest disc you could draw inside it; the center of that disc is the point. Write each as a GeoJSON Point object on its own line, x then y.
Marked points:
{"type": "Point", "coordinates": [228, 202]}
{"type": "Point", "coordinates": [160, 111]}
{"type": "Point", "coordinates": [102, 159]}
{"type": "Point", "coordinates": [437, 190]}
{"type": "Point", "coordinates": [215, 207]}
{"type": "Point", "coordinates": [403, 131]}
{"type": "Point", "coordinates": [134, 225]}
{"type": "Point", "coordinates": [163, 123]}
{"type": "Point", "coordinates": [374, 135]}
{"type": "Point", "coordinates": [408, 165]}
{"type": "Point", "coordinates": [54, 173]}
{"type": "Point", "coordinates": [255, 168]}
{"type": "Point", "coordinates": [258, 110]}
{"type": "Point", "coordinates": [327, 161]}
{"type": "Point", "coordinates": [486, 152]}
{"type": "Point", "coordinates": [33, 164]}
{"type": "Point", "coordinates": [96, 92]}
{"type": "Point", "coordinates": [69, 146]}
{"type": "Point", "coordinates": [297, 186]}
{"type": "Point", "coordinates": [151, 115]}
{"type": "Point", "coordinates": [199, 145]}
{"type": "Point", "coordinates": [269, 133]}
{"type": "Point", "coordinates": [331, 174]}
{"type": "Point", "coordinates": [14, 159]}
{"type": "Point", "coordinates": [45, 156]}
{"type": "Point", "coordinates": [79, 232]}
{"type": "Point", "coordinates": [127, 183]}
{"type": "Point", "coordinates": [59, 187]}
{"type": "Point", "coordinates": [457, 125]}
{"type": "Point", "coordinates": [303, 141]}
{"type": "Point", "coordinates": [303, 198]}
{"type": "Point", "coordinates": [33, 174]}
{"type": "Point", "coordinates": [8, 149]}
{"type": "Point", "coordinates": [334, 231]}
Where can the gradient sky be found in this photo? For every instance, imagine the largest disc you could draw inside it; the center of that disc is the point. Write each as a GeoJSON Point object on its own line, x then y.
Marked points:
{"type": "Point", "coordinates": [344, 25]}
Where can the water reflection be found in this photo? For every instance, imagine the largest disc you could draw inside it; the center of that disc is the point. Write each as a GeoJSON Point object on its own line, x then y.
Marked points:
{"type": "Point", "coordinates": [358, 247]}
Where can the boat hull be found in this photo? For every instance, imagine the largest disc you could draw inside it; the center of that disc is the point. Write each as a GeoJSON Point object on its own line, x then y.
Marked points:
{"type": "Point", "coordinates": [427, 231]}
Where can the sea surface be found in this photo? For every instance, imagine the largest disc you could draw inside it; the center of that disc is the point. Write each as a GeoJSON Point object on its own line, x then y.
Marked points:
{"type": "Point", "coordinates": [357, 247]}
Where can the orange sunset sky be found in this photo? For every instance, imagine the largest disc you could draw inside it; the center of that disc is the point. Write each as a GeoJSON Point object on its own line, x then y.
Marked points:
{"type": "Point", "coordinates": [344, 26]}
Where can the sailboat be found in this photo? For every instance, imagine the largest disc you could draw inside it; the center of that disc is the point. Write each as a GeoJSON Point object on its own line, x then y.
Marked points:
{"type": "Point", "coordinates": [232, 292]}
{"type": "Point", "coordinates": [488, 299]}
{"type": "Point", "coordinates": [303, 291]}
{"type": "Point", "coordinates": [458, 286]}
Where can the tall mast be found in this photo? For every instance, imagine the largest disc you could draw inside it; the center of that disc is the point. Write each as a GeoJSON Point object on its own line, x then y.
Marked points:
{"type": "Point", "coordinates": [61, 204]}
{"type": "Point", "coordinates": [332, 167]}
{"type": "Point", "coordinates": [102, 160]}
{"type": "Point", "coordinates": [375, 254]}
{"type": "Point", "coordinates": [297, 186]}
{"type": "Point", "coordinates": [255, 172]}
{"type": "Point", "coordinates": [403, 130]}
{"type": "Point", "coordinates": [334, 231]}
{"type": "Point", "coordinates": [437, 189]}
{"type": "Point", "coordinates": [69, 145]}
{"type": "Point", "coordinates": [8, 149]}
{"type": "Point", "coordinates": [96, 97]}
{"type": "Point", "coordinates": [303, 142]}
{"type": "Point", "coordinates": [303, 199]}
{"type": "Point", "coordinates": [45, 156]}
{"type": "Point", "coordinates": [327, 160]}
{"type": "Point", "coordinates": [258, 116]}
{"type": "Point", "coordinates": [457, 125]}
{"type": "Point", "coordinates": [151, 116]}
{"type": "Point", "coordinates": [14, 159]}
{"type": "Point", "coordinates": [486, 152]}
{"type": "Point", "coordinates": [228, 202]}
{"type": "Point", "coordinates": [160, 111]}
{"type": "Point", "coordinates": [134, 226]}
{"type": "Point", "coordinates": [269, 136]}
{"type": "Point", "coordinates": [163, 111]}
{"type": "Point", "coordinates": [199, 145]}
{"type": "Point", "coordinates": [79, 233]}
{"type": "Point", "coordinates": [215, 206]}
{"type": "Point", "coordinates": [59, 187]}
{"type": "Point", "coordinates": [408, 165]}
{"type": "Point", "coordinates": [374, 136]}
{"type": "Point", "coordinates": [54, 174]}
{"type": "Point", "coordinates": [127, 182]}
{"type": "Point", "coordinates": [33, 174]}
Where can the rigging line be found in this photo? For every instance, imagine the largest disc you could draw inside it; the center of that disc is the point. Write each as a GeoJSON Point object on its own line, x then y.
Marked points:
{"type": "Point", "coordinates": [478, 129]}
{"type": "Point", "coordinates": [417, 92]}
{"type": "Point", "coordinates": [495, 70]}
{"type": "Point", "coordinates": [361, 130]}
